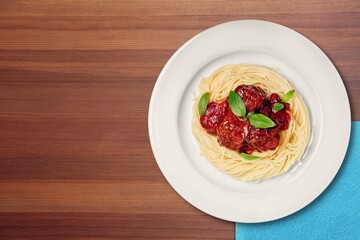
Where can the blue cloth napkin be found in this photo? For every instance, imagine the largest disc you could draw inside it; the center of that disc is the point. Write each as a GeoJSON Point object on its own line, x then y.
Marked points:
{"type": "Point", "coordinates": [335, 214]}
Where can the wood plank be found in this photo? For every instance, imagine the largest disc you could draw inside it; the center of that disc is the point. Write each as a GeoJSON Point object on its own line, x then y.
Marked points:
{"type": "Point", "coordinates": [112, 226]}
{"type": "Point", "coordinates": [165, 8]}
{"type": "Point", "coordinates": [91, 196]}
{"type": "Point", "coordinates": [140, 39]}
{"type": "Point", "coordinates": [328, 20]}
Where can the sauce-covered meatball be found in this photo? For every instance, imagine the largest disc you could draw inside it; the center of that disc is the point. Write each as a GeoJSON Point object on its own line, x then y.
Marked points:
{"type": "Point", "coordinates": [254, 97]}
{"type": "Point", "coordinates": [282, 117]}
{"type": "Point", "coordinates": [232, 131]}
{"type": "Point", "coordinates": [264, 139]}
{"type": "Point", "coordinates": [214, 115]}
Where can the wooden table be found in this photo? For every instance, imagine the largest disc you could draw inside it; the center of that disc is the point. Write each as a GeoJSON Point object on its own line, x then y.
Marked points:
{"type": "Point", "coordinates": [75, 83]}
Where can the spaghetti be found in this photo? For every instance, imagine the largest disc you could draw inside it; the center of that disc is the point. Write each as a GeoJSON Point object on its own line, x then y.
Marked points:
{"type": "Point", "coordinates": [292, 143]}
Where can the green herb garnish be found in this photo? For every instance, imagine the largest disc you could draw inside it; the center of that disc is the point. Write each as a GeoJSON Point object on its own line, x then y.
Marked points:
{"type": "Point", "coordinates": [237, 104]}
{"type": "Point", "coordinates": [288, 95]}
{"type": "Point", "coordinates": [248, 156]}
{"type": "Point", "coordinates": [277, 107]}
{"type": "Point", "coordinates": [260, 121]}
{"type": "Point", "coordinates": [203, 102]}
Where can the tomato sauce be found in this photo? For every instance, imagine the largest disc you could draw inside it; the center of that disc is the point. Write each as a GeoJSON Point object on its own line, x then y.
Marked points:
{"type": "Point", "coordinates": [236, 133]}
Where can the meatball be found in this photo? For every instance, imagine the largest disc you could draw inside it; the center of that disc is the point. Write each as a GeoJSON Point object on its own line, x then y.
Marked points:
{"type": "Point", "coordinates": [246, 148]}
{"type": "Point", "coordinates": [281, 118]}
{"type": "Point", "coordinates": [267, 109]}
{"type": "Point", "coordinates": [264, 139]}
{"type": "Point", "coordinates": [254, 97]}
{"type": "Point", "coordinates": [274, 98]}
{"type": "Point", "coordinates": [232, 131]}
{"type": "Point", "coordinates": [214, 115]}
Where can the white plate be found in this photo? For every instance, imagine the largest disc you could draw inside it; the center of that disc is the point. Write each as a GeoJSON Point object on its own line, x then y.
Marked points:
{"type": "Point", "coordinates": [177, 152]}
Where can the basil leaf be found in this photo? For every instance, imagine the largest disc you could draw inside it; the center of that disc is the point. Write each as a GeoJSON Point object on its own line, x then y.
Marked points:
{"type": "Point", "coordinates": [203, 102]}
{"type": "Point", "coordinates": [237, 104]}
{"type": "Point", "coordinates": [288, 95]}
{"type": "Point", "coordinates": [277, 107]}
{"type": "Point", "coordinates": [261, 121]}
{"type": "Point", "coordinates": [248, 156]}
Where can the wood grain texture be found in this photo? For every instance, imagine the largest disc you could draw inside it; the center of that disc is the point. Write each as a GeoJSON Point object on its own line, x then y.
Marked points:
{"type": "Point", "coordinates": [75, 83]}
